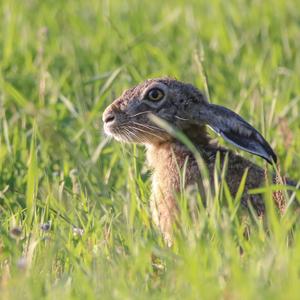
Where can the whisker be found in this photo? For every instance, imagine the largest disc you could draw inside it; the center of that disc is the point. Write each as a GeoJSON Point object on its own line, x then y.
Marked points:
{"type": "Point", "coordinates": [119, 135]}
{"type": "Point", "coordinates": [127, 134]}
{"type": "Point", "coordinates": [148, 132]}
{"type": "Point", "coordinates": [131, 131]}
{"type": "Point", "coordinates": [138, 138]}
{"type": "Point", "coordinates": [183, 119]}
{"type": "Point", "coordinates": [141, 113]}
{"type": "Point", "coordinates": [147, 126]}
{"type": "Point", "coordinates": [130, 134]}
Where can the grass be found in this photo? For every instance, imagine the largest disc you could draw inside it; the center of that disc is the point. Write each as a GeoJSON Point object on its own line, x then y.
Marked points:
{"type": "Point", "coordinates": [74, 215]}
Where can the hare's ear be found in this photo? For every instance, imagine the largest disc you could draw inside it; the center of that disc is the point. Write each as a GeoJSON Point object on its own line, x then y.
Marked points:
{"type": "Point", "coordinates": [237, 131]}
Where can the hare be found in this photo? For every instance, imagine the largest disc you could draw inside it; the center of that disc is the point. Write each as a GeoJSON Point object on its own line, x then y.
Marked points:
{"type": "Point", "coordinates": [186, 108]}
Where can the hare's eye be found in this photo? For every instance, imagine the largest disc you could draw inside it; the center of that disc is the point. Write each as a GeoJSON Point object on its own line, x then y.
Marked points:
{"type": "Point", "coordinates": [155, 94]}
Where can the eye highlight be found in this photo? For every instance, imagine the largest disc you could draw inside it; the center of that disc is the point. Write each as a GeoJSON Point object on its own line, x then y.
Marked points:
{"type": "Point", "coordinates": [155, 94]}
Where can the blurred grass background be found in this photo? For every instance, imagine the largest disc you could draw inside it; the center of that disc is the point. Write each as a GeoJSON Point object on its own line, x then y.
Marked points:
{"type": "Point", "coordinates": [74, 215]}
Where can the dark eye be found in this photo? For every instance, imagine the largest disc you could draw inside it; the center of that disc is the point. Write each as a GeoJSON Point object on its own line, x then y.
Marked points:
{"type": "Point", "coordinates": [155, 94]}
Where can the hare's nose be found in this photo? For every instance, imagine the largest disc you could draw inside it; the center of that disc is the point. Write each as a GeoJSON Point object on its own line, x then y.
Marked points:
{"type": "Point", "coordinates": [109, 117]}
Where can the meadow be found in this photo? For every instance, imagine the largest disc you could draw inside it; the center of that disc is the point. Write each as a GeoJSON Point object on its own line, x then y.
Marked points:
{"type": "Point", "coordinates": [74, 205]}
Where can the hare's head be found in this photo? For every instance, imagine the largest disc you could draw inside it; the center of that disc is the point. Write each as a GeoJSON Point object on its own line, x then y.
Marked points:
{"type": "Point", "coordinates": [128, 117]}
{"type": "Point", "coordinates": [182, 105]}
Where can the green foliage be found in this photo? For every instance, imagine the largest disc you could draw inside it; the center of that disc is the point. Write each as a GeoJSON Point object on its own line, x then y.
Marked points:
{"type": "Point", "coordinates": [74, 214]}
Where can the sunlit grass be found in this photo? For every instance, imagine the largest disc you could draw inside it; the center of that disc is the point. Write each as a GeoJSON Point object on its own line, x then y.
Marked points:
{"type": "Point", "coordinates": [74, 205]}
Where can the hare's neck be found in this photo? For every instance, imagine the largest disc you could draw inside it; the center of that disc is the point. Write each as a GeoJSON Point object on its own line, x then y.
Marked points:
{"type": "Point", "coordinates": [173, 154]}
{"type": "Point", "coordinates": [165, 160]}
{"type": "Point", "coordinates": [167, 156]}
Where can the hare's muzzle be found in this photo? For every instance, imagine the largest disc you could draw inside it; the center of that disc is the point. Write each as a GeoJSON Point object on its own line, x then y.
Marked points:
{"type": "Point", "coordinates": [109, 117]}
{"type": "Point", "coordinates": [114, 120]}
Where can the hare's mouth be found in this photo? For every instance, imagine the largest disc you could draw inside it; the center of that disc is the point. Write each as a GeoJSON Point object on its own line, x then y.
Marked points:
{"type": "Point", "coordinates": [136, 132]}
{"type": "Point", "coordinates": [130, 129]}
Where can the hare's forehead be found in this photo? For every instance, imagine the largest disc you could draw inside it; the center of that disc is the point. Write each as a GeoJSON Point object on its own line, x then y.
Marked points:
{"type": "Point", "coordinates": [131, 93]}
{"type": "Point", "coordinates": [137, 91]}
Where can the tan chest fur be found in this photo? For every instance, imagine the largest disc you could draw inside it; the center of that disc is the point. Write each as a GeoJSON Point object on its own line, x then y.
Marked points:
{"type": "Point", "coordinates": [167, 160]}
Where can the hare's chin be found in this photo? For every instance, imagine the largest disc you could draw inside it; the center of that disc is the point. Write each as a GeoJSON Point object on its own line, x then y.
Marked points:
{"type": "Point", "coordinates": [107, 131]}
{"type": "Point", "coordinates": [118, 136]}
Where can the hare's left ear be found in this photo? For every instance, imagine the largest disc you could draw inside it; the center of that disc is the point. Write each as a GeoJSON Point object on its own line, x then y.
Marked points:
{"type": "Point", "coordinates": [237, 131]}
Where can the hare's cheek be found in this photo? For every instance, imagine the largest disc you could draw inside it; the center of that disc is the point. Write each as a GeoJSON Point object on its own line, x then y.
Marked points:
{"type": "Point", "coordinates": [138, 109]}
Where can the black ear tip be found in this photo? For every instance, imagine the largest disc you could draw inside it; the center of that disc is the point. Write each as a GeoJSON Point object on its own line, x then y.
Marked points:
{"type": "Point", "coordinates": [274, 157]}
{"type": "Point", "coordinates": [238, 132]}
{"type": "Point", "coordinates": [270, 157]}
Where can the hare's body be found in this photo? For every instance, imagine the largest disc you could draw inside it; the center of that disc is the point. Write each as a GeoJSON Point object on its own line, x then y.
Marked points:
{"type": "Point", "coordinates": [128, 118]}
{"type": "Point", "coordinates": [165, 160]}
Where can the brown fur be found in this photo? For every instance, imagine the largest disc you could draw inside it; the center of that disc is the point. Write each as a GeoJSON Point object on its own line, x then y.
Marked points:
{"type": "Point", "coordinates": [182, 102]}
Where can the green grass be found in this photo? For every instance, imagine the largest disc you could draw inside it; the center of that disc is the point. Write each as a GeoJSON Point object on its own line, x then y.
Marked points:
{"type": "Point", "coordinates": [61, 63]}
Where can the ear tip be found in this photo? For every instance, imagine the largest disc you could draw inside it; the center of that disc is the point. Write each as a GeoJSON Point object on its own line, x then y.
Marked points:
{"type": "Point", "coordinates": [269, 154]}
{"type": "Point", "coordinates": [272, 157]}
